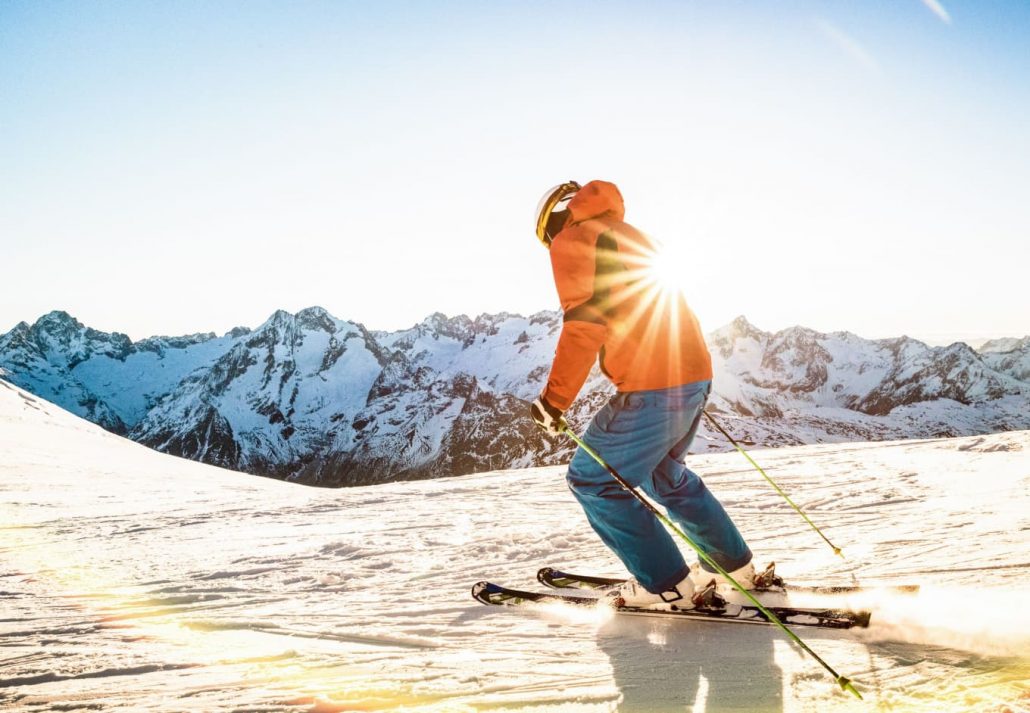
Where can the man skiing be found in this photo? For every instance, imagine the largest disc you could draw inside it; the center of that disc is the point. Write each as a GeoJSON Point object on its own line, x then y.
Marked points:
{"type": "Point", "coordinates": [651, 347]}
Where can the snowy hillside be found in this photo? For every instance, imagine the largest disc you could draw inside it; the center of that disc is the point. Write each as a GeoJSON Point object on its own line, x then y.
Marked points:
{"type": "Point", "coordinates": [131, 580]}
{"type": "Point", "coordinates": [322, 400]}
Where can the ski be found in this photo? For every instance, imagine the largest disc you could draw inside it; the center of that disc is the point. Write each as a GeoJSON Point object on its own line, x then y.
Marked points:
{"type": "Point", "coordinates": [717, 610]}
{"type": "Point", "coordinates": [557, 579]}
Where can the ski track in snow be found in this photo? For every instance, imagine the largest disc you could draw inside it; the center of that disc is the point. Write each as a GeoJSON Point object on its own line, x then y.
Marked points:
{"type": "Point", "coordinates": [133, 580]}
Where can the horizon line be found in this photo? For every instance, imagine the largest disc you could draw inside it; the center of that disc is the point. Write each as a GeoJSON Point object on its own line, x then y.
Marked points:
{"type": "Point", "coordinates": [940, 339]}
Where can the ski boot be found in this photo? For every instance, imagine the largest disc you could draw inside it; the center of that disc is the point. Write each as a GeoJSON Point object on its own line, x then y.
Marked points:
{"type": "Point", "coordinates": [745, 576]}
{"type": "Point", "coordinates": [632, 594]}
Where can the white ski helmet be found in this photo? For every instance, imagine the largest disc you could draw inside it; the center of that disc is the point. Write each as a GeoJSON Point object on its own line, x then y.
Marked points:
{"type": "Point", "coordinates": [555, 200]}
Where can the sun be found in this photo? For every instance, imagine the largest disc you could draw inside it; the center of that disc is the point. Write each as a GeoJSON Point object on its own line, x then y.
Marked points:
{"type": "Point", "coordinates": [669, 267]}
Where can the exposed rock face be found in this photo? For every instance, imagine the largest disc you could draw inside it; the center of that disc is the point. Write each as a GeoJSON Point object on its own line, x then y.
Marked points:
{"type": "Point", "coordinates": [313, 398]}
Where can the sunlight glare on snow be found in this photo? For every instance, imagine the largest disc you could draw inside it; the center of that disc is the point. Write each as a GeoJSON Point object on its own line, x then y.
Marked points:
{"type": "Point", "coordinates": [573, 614]}
{"type": "Point", "coordinates": [701, 700]}
{"type": "Point", "coordinates": [657, 637]}
{"type": "Point", "coordinates": [212, 643]}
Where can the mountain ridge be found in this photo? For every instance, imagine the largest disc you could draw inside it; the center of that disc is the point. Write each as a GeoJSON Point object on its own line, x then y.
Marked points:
{"type": "Point", "coordinates": [323, 400]}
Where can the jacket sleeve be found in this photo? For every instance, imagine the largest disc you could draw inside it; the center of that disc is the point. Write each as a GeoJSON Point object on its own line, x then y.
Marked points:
{"type": "Point", "coordinates": [577, 350]}
{"type": "Point", "coordinates": [584, 328]}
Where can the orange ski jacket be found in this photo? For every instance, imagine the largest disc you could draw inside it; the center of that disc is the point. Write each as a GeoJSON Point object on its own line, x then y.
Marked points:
{"type": "Point", "coordinates": [646, 336]}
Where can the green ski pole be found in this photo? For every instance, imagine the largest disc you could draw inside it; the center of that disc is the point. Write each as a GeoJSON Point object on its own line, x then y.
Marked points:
{"type": "Point", "coordinates": [836, 550]}
{"type": "Point", "coordinates": [844, 683]}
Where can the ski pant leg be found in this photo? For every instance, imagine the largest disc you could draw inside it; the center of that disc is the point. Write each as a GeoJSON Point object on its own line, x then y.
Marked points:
{"type": "Point", "coordinates": [693, 507]}
{"type": "Point", "coordinates": [632, 532]}
{"type": "Point", "coordinates": [634, 432]}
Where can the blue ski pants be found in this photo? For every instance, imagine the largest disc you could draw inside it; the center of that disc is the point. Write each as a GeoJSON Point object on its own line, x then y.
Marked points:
{"type": "Point", "coordinates": [645, 435]}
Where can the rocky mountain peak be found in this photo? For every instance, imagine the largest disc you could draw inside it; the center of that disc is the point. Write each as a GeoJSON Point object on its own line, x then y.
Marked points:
{"type": "Point", "coordinates": [725, 338]}
{"type": "Point", "coordinates": [287, 329]}
{"type": "Point", "coordinates": [57, 328]}
{"type": "Point", "coordinates": [18, 338]}
{"type": "Point", "coordinates": [489, 322]}
{"type": "Point", "coordinates": [277, 319]}
{"type": "Point", "coordinates": [57, 321]}
{"type": "Point", "coordinates": [1005, 345]}
{"type": "Point", "coordinates": [903, 346]}
{"type": "Point", "coordinates": [739, 328]}
{"type": "Point", "coordinates": [551, 316]}
{"type": "Point", "coordinates": [1010, 356]}
{"type": "Point", "coordinates": [438, 324]}
{"type": "Point", "coordinates": [797, 334]}
{"type": "Point", "coordinates": [63, 339]}
{"type": "Point", "coordinates": [960, 350]}
{"type": "Point", "coordinates": [316, 318]}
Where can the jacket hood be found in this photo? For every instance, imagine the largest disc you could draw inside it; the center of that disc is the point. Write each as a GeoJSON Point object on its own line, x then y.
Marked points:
{"type": "Point", "coordinates": [596, 199]}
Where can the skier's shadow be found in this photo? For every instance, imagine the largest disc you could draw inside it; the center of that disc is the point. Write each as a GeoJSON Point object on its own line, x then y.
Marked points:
{"type": "Point", "coordinates": [664, 665]}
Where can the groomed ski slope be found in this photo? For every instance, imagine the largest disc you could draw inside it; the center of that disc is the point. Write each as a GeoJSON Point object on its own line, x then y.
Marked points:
{"type": "Point", "coordinates": [132, 580]}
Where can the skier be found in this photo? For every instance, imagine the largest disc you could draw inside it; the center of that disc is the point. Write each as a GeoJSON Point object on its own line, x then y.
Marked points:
{"type": "Point", "coordinates": [652, 349]}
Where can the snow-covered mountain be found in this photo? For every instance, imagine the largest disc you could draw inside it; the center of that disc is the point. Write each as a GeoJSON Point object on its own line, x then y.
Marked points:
{"type": "Point", "coordinates": [1011, 356]}
{"type": "Point", "coordinates": [105, 378]}
{"type": "Point", "coordinates": [800, 386]}
{"type": "Point", "coordinates": [314, 398]}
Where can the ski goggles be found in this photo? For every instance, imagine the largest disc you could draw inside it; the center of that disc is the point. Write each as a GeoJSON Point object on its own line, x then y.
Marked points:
{"type": "Point", "coordinates": [555, 200]}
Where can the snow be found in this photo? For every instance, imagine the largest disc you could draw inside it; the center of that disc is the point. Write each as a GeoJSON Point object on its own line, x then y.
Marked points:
{"type": "Point", "coordinates": [494, 358]}
{"type": "Point", "coordinates": [132, 580]}
{"type": "Point", "coordinates": [343, 387]}
{"type": "Point", "coordinates": [130, 386]}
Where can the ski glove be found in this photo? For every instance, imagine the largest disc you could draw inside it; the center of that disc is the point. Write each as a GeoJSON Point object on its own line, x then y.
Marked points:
{"type": "Point", "coordinates": [547, 416]}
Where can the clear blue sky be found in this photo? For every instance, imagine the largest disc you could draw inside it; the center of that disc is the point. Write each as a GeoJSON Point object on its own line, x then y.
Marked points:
{"type": "Point", "coordinates": [168, 167]}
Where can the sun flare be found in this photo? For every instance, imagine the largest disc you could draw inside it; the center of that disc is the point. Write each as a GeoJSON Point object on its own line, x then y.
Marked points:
{"type": "Point", "coordinates": [668, 268]}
